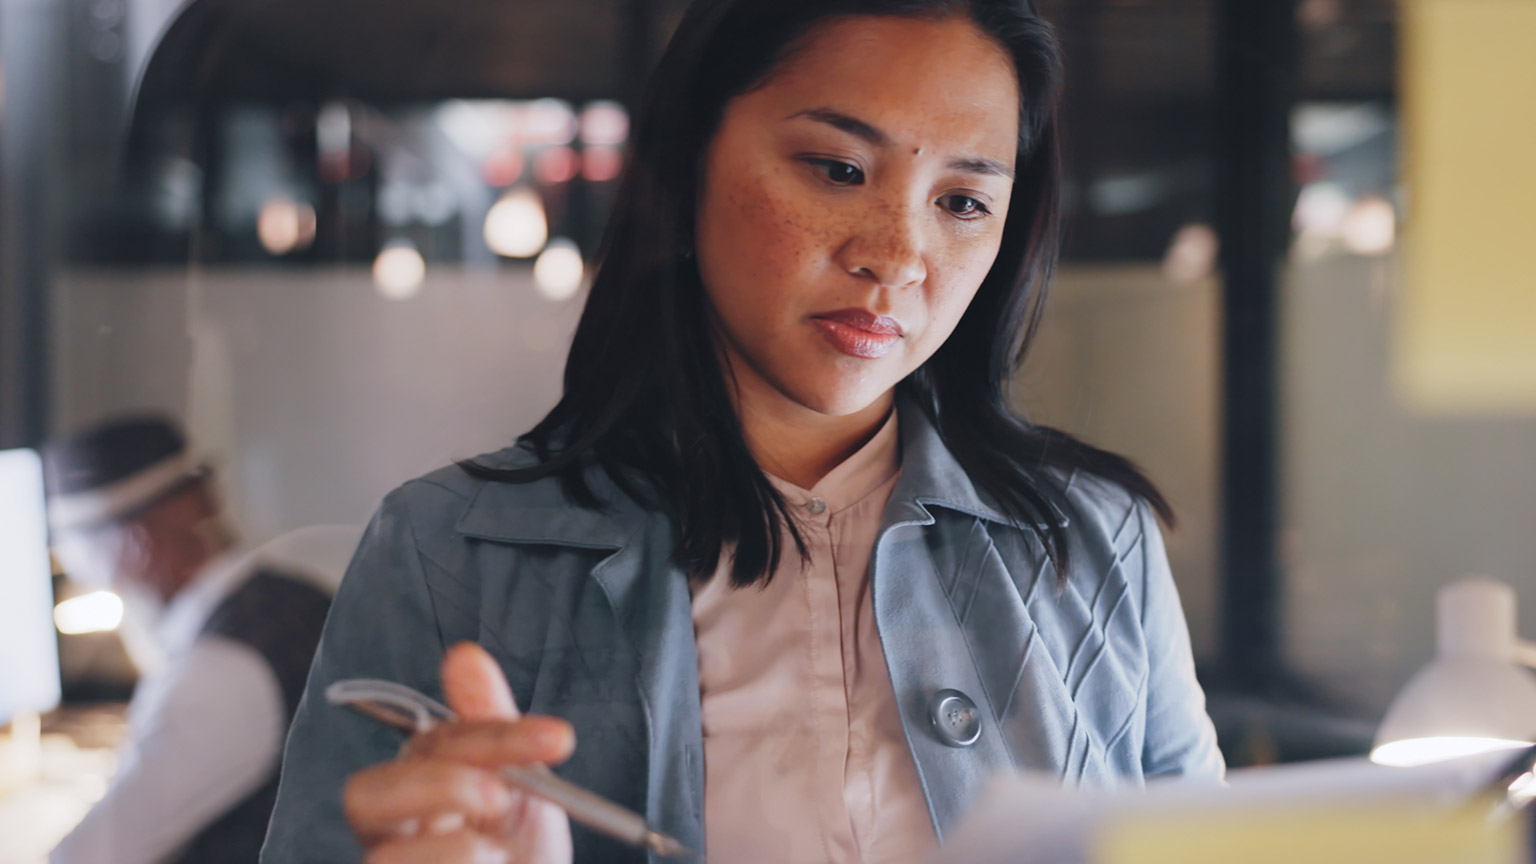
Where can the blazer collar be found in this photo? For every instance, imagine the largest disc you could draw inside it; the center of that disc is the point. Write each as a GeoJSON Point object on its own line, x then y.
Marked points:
{"type": "Point", "coordinates": [539, 512]}
{"type": "Point", "coordinates": [650, 602]}
{"type": "Point", "coordinates": [930, 475]}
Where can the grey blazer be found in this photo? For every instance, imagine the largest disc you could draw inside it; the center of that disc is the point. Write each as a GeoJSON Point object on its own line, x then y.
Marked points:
{"type": "Point", "coordinates": [1093, 683]}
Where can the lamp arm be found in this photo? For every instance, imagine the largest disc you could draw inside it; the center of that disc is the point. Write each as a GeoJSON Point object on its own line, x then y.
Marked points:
{"type": "Point", "coordinates": [1525, 653]}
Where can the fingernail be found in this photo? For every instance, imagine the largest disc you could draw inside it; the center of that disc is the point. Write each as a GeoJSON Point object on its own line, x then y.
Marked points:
{"type": "Point", "coordinates": [491, 853]}
{"type": "Point", "coordinates": [555, 738]}
{"type": "Point", "coordinates": [494, 795]}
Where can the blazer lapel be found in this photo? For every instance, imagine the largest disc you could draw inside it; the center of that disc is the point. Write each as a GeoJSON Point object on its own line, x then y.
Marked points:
{"type": "Point", "coordinates": [650, 601]}
{"type": "Point", "coordinates": [926, 653]}
{"type": "Point", "coordinates": [952, 616]}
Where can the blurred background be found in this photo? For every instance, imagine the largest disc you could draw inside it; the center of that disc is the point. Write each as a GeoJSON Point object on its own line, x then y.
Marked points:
{"type": "Point", "coordinates": [346, 242]}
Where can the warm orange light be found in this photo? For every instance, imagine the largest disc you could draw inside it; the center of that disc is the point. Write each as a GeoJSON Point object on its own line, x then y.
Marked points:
{"type": "Point", "coordinates": [284, 226]}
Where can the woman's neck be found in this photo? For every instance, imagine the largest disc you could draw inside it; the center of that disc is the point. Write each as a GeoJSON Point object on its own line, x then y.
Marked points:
{"type": "Point", "coordinates": [802, 446]}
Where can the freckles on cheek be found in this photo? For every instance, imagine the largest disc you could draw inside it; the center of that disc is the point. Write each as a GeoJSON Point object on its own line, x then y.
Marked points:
{"type": "Point", "coordinates": [767, 229]}
{"type": "Point", "coordinates": [964, 279]}
{"type": "Point", "coordinates": [948, 301]}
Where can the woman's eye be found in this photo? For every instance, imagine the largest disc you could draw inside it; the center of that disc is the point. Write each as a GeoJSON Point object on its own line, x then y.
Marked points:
{"type": "Point", "coordinates": [965, 205]}
{"type": "Point", "coordinates": [840, 173]}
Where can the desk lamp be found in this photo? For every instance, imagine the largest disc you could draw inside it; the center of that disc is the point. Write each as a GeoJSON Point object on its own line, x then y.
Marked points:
{"type": "Point", "coordinates": [1475, 696]}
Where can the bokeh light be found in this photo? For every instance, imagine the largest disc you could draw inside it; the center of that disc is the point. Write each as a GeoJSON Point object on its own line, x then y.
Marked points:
{"type": "Point", "coordinates": [284, 226]}
{"type": "Point", "coordinates": [394, 203]}
{"type": "Point", "coordinates": [556, 165]}
{"type": "Point", "coordinates": [1321, 209]}
{"type": "Point", "coordinates": [604, 123]}
{"type": "Point", "coordinates": [434, 203]}
{"type": "Point", "coordinates": [1192, 254]}
{"type": "Point", "coordinates": [548, 122]}
{"type": "Point", "coordinates": [399, 270]}
{"type": "Point", "coordinates": [1370, 228]}
{"type": "Point", "coordinates": [516, 226]}
{"type": "Point", "coordinates": [502, 167]}
{"type": "Point", "coordinates": [559, 269]}
{"type": "Point", "coordinates": [95, 612]}
{"type": "Point", "coordinates": [478, 127]}
{"type": "Point", "coordinates": [600, 164]}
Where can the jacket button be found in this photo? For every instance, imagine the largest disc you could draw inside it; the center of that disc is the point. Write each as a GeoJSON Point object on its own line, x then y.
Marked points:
{"type": "Point", "coordinates": [956, 718]}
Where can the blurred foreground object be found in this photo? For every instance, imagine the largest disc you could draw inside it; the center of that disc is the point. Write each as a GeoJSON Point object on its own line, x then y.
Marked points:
{"type": "Point", "coordinates": [1463, 329]}
{"type": "Point", "coordinates": [1342, 835]}
{"type": "Point", "coordinates": [1343, 811]}
{"type": "Point", "coordinates": [1474, 697]}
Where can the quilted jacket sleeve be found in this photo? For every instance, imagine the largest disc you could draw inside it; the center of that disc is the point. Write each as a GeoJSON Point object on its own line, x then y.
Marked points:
{"type": "Point", "coordinates": [381, 625]}
{"type": "Point", "coordinates": [1180, 739]}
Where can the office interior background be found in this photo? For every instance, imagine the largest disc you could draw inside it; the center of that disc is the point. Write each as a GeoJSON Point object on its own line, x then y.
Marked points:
{"type": "Point", "coordinates": [345, 242]}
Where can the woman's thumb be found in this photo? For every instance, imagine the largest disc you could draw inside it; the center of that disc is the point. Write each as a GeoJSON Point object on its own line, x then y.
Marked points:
{"type": "Point", "coordinates": [475, 685]}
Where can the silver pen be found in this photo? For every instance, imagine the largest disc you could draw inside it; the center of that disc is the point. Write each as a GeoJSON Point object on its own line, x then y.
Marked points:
{"type": "Point", "coordinates": [415, 712]}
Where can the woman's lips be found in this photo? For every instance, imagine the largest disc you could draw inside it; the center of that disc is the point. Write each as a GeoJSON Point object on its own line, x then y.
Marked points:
{"type": "Point", "coordinates": [859, 333]}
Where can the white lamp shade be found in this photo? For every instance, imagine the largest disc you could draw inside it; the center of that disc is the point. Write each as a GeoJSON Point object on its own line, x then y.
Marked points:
{"type": "Point", "coordinates": [1457, 706]}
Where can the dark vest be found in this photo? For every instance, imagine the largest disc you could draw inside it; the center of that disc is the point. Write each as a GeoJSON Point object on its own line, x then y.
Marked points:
{"type": "Point", "coordinates": [280, 617]}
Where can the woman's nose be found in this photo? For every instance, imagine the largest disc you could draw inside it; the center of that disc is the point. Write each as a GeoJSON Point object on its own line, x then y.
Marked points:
{"type": "Point", "coordinates": [886, 246]}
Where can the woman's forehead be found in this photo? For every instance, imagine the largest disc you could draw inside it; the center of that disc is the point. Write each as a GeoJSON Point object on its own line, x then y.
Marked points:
{"type": "Point", "coordinates": [920, 82]}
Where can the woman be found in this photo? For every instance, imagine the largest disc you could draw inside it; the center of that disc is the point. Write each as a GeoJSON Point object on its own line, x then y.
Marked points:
{"type": "Point", "coordinates": [794, 579]}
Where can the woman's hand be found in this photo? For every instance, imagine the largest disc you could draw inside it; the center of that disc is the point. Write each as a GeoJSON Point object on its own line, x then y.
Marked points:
{"type": "Point", "coordinates": [441, 801]}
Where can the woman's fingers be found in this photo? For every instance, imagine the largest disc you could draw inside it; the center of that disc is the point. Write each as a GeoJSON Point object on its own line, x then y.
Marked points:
{"type": "Point", "coordinates": [463, 845]}
{"type": "Point", "coordinates": [493, 743]}
{"type": "Point", "coordinates": [475, 685]}
{"type": "Point", "coordinates": [478, 691]}
{"type": "Point", "coordinates": [409, 796]}
{"type": "Point", "coordinates": [441, 799]}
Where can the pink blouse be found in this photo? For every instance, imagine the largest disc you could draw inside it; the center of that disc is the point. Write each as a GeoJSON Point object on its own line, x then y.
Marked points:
{"type": "Point", "coordinates": [804, 757]}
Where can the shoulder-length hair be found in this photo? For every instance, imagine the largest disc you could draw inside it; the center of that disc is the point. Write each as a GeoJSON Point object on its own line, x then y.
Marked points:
{"type": "Point", "coordinates": [645, 397]}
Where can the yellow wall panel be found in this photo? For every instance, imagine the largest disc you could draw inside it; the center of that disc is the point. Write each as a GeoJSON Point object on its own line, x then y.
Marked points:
{"type": "Point", "coordinates": [1466, 325]}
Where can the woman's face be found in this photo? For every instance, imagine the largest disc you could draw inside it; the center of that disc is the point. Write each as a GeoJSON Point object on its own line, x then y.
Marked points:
{"type": "Point", "coordinates": [852, 205]}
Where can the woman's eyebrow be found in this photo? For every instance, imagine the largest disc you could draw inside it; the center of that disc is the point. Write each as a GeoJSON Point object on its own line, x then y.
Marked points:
{"type": "Point", "coordinates": [865, 132]}
{"type": "Point", "coordinates": [852, 125]}
{"type": "Point", "coordinates": [981, 165]}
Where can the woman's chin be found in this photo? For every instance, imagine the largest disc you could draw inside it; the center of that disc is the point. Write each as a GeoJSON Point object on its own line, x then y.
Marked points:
{"type": "Point", "coordinates": [845, 402]}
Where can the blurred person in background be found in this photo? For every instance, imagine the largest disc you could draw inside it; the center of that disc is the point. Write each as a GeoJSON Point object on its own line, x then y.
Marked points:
{"type": "Point", "coordinates": [781, 571]}
{"type": "Point", "coordinates": [230, 640]}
